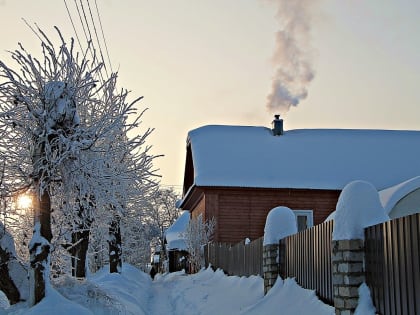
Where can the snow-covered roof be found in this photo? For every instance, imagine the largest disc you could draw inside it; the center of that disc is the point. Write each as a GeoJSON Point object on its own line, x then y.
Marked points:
{"type": "Point", "coordinates": [389, 197]}
{"type": "Point", "coordinates": [174, 234]}
{"type": "Point", "coordinates": [246, 156]}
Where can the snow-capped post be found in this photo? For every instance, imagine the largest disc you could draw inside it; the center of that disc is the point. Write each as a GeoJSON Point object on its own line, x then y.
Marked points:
{"type": "Point", "coordinates": [358, 207]}
{"type": "Point", "coordinates": [280, 222]}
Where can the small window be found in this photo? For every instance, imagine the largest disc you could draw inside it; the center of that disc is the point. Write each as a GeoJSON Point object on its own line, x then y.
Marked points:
{"type": "Point", "coordinates": [304, 219]}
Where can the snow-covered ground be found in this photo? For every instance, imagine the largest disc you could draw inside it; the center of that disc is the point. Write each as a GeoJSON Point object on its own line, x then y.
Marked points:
{"type": "Point", "coordinates": [207, 292]}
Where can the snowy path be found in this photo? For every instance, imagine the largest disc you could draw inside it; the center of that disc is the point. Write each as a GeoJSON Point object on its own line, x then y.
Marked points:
{"type": "Point", "coordinates": [161, 302]}
{"type": "Point", "coordinates": [201, 294]}
{"type": "Point", "coordinates": [206, 293]}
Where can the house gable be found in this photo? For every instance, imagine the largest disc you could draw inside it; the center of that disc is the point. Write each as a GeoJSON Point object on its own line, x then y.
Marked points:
{"type": "Point", "coordinates": [189, 170]}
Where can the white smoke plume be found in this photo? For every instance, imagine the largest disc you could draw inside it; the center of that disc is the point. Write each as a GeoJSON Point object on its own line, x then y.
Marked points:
{"type": "Point", "coordinates": [292, 56]}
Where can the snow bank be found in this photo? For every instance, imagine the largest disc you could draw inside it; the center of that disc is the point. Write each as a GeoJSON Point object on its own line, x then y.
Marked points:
{"type": "Point", "coordinates": [365, 306]}
{"type": "Point", "coordinates": [358, 207]}
{"type": "Point", "coordinates": [125, 293]}
{"type": "Point", "coordinates": [54, 303]}
{"type": "Point", "coordinates": [280, 222]}
{"type": "Point", "coordinates": [291, 299]}
{"type": "Point", "coordinates": [17, 270]}
{"type": "Point", "coordinates": [207, 292]}
{"type": "Point", "coordinates": [4, 302]}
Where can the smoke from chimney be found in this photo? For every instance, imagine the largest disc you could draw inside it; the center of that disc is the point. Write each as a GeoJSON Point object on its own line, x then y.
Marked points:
{"type": "Point", "coordinates": [292, 55]}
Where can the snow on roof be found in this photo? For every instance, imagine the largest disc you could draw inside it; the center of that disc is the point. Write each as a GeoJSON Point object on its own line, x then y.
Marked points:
{"type": "Point", "coordinates": [174, 234]}
{"type": "Point", "coordinates": [389, 197]}
{"type": "Point", "coordinates": [245, 156]}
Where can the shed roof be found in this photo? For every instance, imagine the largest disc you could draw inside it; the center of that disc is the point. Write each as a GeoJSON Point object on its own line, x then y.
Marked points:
{"type": "Point", "coordinates": [246, 156]}
{"type": "Point", "coordinates": [175, 233]}
{"type": "Point", "coordinates": [391, 196]}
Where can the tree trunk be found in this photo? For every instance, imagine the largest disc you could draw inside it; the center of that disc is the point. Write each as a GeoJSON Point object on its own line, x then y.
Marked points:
{"type": "Point", "coordinates": [6, 284]}
{"type": "Point", "coordinates": [78, 251]}
{"type": "Point", "coordinates": [40, 247]}
{"type": "Point", "coordinates": [115, 250]}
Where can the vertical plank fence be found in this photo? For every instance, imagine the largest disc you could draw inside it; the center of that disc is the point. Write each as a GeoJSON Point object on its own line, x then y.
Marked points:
{"type": "Point", "coordinates": [393, 265]}
{"type": "Point", "coordinates": [392, 262]}
{"type": "Point", "coordinates": [238, 259]}
{"type": "Point", "coordinates": [307, 258]}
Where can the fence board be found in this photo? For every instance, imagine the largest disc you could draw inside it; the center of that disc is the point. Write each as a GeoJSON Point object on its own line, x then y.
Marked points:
{"type": "Point", "coordinates": [238, 259]}
{"type": "Point", "coordinates": [393, 265]}
{"type": "Point", "coordinates": [308, 259]}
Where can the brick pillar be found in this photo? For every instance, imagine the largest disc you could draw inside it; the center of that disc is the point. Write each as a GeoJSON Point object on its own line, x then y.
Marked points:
{"type": "Point", "coordinates": [348, 274]}
{"type": "Point", "coordinates": [270, 265]}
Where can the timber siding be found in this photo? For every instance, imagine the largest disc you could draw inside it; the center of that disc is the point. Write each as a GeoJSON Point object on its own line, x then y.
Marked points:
{"type": "Point", "coordinates": [241, 212]}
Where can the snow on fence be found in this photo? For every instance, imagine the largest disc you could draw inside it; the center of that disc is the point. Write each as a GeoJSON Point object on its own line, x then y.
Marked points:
{"type": "Point", "coordinates": [306, 256]}
{"type": "Point", "coordinates": [392, 265]}
{"type": "Point", "coordinates": [240, 259]}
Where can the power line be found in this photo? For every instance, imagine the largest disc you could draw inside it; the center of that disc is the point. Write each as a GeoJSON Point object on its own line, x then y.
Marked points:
{"type": "Point", "coordinates": [103, 35]}
{"type": "Point", "coordinates": [74, 28]}
{"type": "Point", "coordinates": [81, 20]}
{"type": "Point", "coordinates": [86, 27]}
{"type": "Point", "coordinates": [97, 38]}
{"type": "Point", "coordinates": [86, 21]}
{"type": "Point", "coordinates": [86, 30]}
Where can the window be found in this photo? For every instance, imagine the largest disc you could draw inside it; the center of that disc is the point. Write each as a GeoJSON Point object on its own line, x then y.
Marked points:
{"type": "Point", "coordinates": [304, 219]}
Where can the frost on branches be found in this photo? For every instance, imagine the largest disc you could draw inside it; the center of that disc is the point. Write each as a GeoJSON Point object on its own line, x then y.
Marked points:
{"type": "Point", "coordinates": [64, 135]}
{"type": "Point", "coordinates": [197, 235]}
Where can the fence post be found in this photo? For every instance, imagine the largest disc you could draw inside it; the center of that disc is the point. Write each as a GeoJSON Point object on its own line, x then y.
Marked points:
{"type": "Point", "coordinates": [348, 274]}
{"type": "Point", "coordinates": [270, 265]}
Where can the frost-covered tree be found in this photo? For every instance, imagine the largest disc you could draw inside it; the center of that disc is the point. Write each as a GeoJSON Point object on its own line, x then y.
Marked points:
{"type": "Point", "coordinates": [145, 222]}
{"type": "Point", "coordinates": [161, 212]}
{"type": "Point", "coordinates": [64, 133]}
{"type": "Point", "coordinates": [197, 235]}
{"type": "Point", "coordinates": [38, 121]}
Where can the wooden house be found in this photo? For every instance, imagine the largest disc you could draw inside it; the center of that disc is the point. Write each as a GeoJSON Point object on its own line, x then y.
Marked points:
{"type": "Point", "coordinates": [237, 174]}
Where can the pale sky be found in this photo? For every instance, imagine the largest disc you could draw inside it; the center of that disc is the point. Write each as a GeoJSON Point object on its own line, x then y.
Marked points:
{"type": "Point", "coordinates": [211, 62]}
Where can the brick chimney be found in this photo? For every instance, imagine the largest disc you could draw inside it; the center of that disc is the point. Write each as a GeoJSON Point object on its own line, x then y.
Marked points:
{"type": "Point", "coordinates": [277, 125]}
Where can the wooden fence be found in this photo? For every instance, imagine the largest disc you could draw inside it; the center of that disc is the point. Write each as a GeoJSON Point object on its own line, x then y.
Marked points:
{"type": "Point", "coordinates": [238, 259]}
{"type": "Point", "coordinates": [393, 265]}
{"type": "Point", "coordinates": [307, 258]}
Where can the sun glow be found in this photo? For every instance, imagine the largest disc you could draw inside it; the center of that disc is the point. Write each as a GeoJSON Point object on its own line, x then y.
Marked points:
{"type": "Point", "coordinates": [24, 202]}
